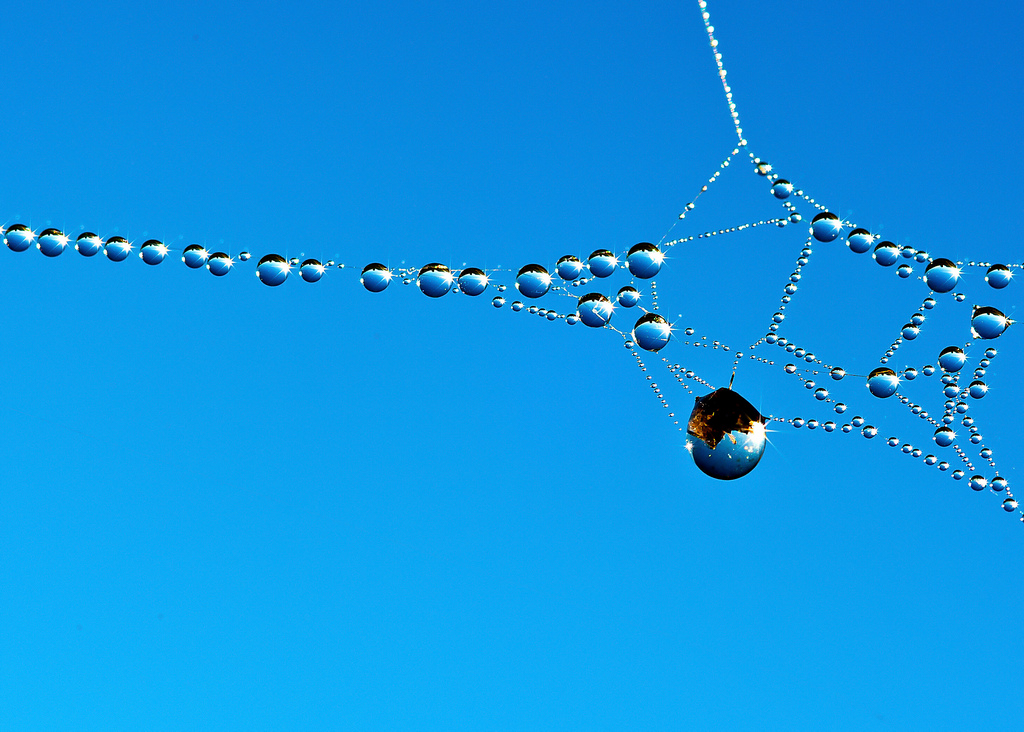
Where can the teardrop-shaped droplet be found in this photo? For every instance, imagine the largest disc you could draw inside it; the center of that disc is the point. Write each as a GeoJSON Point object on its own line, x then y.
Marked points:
{"type": "Point", "coordinates": [727, 435]}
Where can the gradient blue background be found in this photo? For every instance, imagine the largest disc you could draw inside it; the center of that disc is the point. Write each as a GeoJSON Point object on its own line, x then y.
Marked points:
{"type": "Point", "coordinates": [226, 506]}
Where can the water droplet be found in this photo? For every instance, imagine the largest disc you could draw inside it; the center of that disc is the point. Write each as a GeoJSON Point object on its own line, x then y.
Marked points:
{"type": "Point", "coordinates": [88, 244]}
{"type": "Point", "coordinates": [886, 253]}
{"type": "Point", "coordinates": [858, 421]}
{"type": "Point", "coordinates": [602, 263]}
{"type": "Point", "coordinates": [498, 301]}
{"type": "Point", "coordinates": [651, 332]}
{"type": "Point", "coordinates": [117, 248]}
{"type": "Point", "coordinates": [628, 297]}
{"type": "Point", "coordinates": [435, 280]}
{"type": "Point", "coordinates": [952, 359]}
{"type": "Point", "coordinates": [977, 389]}
{"type": "Point", "coordinates": [473, 281]}
{"type": "Point", "coordinates": [999, 484]}
{"type": "Point", "coordinates": [763, 167]}
{"type": "Point", "coordinates": [904, 271]}
{"type": "Point", "coordinates": [219, 264]}
{"type": "Point", "coordinates": [821, 393]}
{"type": "Point", "coordinates": [311, 270]}
{"type": "Point", "coordinates": [273, 270]}
{"type": "Point", "coordinates": [595, 310]}
{"type": "Point", "coordinates": [533, 281]}
{"type": "Point", "coordinates": [18, 237]}
{"type": "Point", "coordinates": [727, 435]}
{"type": "Point", "coordinates": [194, 256]}
{"type": "Point", "coordinates": [930, 460]}
{"type": "Point", "coordinates": [840, 408]}
{"type": "Point", "coordinates": [988, 323]}
{"type": "Point", "coordinates": [869, 431]}
{"type": "Point", "coordinates": [894, 442]}
{"type": "Point", "coordinates": [782, 189]}
{"type": "Point", "coordinates": [153, 252]}
{"type": "Point", "coordinates": [569, 267]}
{"type": "Point", "coordinates": [1010, 505]}
{"type": "Point", "coordinates": [52, 242]}
{"type": "Point", "coordinates": [245, 256]}
{"type": "Point", "coordinates": [941, 275]}
{"type": "Point", "coordinates": [826, 226]}
{"type": "Point", "coordinates": [957, 474]}
{"type": "Point", "coordinates": [978, 482]}
{"type": "Point", "coordinates": [837, 373]}
{"type": "Point", "coordinates": [910, 332]}
{"type": "Point", "coordinates": [883, 382]}
{"type": "Point", "coordinates": [929, 303]}
{"type": "Point", "coordinates": [998, 276]}
{"type": "Point", "coordinates": [375, 277]}
{"type": "Point", "coordinates": [860, 241]}
{"type": "Point", "coordinates": [944, 437]}
{"type": "Point", "coordinates": [910, 373]}
{"type": "Point", "coordinates": [928, 370]}
{"type": "Point", "coordinates": [644, 260]}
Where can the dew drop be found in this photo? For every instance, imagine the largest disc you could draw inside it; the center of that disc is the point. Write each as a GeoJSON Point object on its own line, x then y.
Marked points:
{"type": "Point", "coordinates": [886, 253]}
{"type": "Point", "coordinates": [88, 244]}
{"type": "Point", "coordinates": [941, 275]}
{"type": "Point", "coordinates": [52, 242]}
{"type": "Point", "coordinates": [219, 264]}
{"type": "Point", "coordinates": [826, 226]}
{"type": "Point", "coordinates": [18, 237]}
{"type": "Point", "coordinates": [310, 270]}
{"type": "Point", "coordinates": [944, 437]}
{"type": "Point", "coordinates": [473, 281]}
{"type": "Point", "coordinates": [727, 435]}
{"type": "Point", "coordinates": [194, 256]}
{"type": "Point", "coordinates": [644, 260]}
{"type": "Point", "coordinates": [594, 309]}
{"type": "Point", "coordinates": [628, 297]}
{"type": "Point", "coordinates": [273, 270]}
{"type": "Point", "coordinates": [117, 248]}
{"type": "Point", "coordinates": [651, 332]}
{"type": "Point", "coordinates": [435, 280]}
{"type": "Point", "coordinates": [375, 277]}
{"type": "Point", "coordinates": [602, 263]}
{"type": "Point", "coordinates": [883, 382]}
{"type": "Point", "coordinates": [998, 276]}
{"type": "Point", "coordinates": [988, 323]}
{"type": "Point", "coordinates": [569, 267]}
{"type": "Point", "coordinates": [533, 281]}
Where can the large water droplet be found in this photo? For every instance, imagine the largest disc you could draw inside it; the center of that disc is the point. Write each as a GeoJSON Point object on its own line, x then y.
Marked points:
{"type": "Point", "coordinates": [311, 270]}
{"type": "Point", "coordinates": [117, 248]}
{"type": "Point", "coordinates": [727, 435]}
{"type": "Point", "coordinates": [153, 252]}
{"type": "Point", "coordinates": [941, 275]}
{"type": "Point", "coordinates": [594, 309]}
{"type": "Point", "coordinates": [18, 237]}
{"type": "Point", "coordinates": [998, 276]}
{"type": "Point", "coordinates": [533, 281]}
{"type": "Point", "coordinates": [375, 277]}
{"type": "Point", "coordinates": [651, 332]}
{"type": "Point", "coordinates": [988, 322]}
{"type": "Point", "coordinates": [644, 260]}
{"type": "Point", "coordinates": [952, 359]}
{"type": "Point", "coordinates": [826, 226]}
{"type": "Point", "coordinates": [219, 264]}
{"type": "Point", "coordinates": [977, 389]}
{"type": "Point", "coordinates": [569, 267]}
{"type": "Point", "coordinates": [473, 281]}
{"type": "Point", "coordinates": [628, 297]}
{"type": "Point", "coordinates": [944, 437]}
{"type": "Point", "coordinates": [860, 241]}
{"type": "Point", "coordinates": [883, 382]}
{"type": "Point", "coordinates": [602, 263]}
{"type": "Point", "coordinates": [886, 253]}
{"type": "Point", "coordinates": [782, 189]}
{"type": "Point", "coordinates": [435, 280]}
{"type": "Point", "coordinates": [978, 482]}
{"type": "Point", "coordinates": [52, 242]}
{"type": "Point", "coordinates": [88, 244]}
{"type": "Point", "coordinates": [194, 256]}
{"type": "Point", "coordinates": [273, 270]}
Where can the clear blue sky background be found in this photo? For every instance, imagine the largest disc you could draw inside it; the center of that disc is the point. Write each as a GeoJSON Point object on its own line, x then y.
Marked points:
{"type": "Point", "coordinates": [226, 506]}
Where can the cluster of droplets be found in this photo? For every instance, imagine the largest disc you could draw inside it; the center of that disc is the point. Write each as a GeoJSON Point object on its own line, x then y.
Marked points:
{"type": "Point", "coordinates": [597, 306]}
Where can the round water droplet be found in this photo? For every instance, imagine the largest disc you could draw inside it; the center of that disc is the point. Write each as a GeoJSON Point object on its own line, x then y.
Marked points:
{"type": "Point", "coordinates": [910, 373]}
{"type": "Point", "coordinates": [602, 263]}
{"type": "Point", "coordinates": [941, 275]}
{"type": "Point", "coordinates": [829, 426]}
{"type": "Point", "coordinates": [517, 305]}
{"type": "Point", "coordinates": [883, 382]}
{"type": "Point", "coordinates": [952, 359]}
{"type": "Point", "coordinates": [928, 370]}
{"type": "Point", "coordinates": [219, 264]}
{"type": "Point", "coordinates": [910, 332]}
{"type": "Point", "coordinates": [153, 252]}
{"type": "Point", "coordinates": [498, 301]}
{"type": "Point", "coordinates": [435, 280]}
{"type": "Point", "coordinates": [790, 368]}
{"type": "Point", "coordinates": [628, 297]}
{"type": "Point", "coordinates": [473, 281]}
{"type": "Point", "coordinates": [571, 319]}
{"type": "Point", "coordinates": [826, 226]}
{"type": "Point", "coordinates": [782, 189]}
{"type": "Point", "coordinates": [893, 442]}
{"type": "Point", "coordinates": [957, 474]}
{"type": "Point", "coordinates": [594, 309]}
{"type": "Point", "coordinates": [552, 315]}
{"type": "Point", "coordinates": [821, 393]}
{"type": "Point", "coordinates": [763, 167]}
{"type": "Point", "coordinates": [988, 323]}
{"type": "Point", "coordinates": [117, 248]}
{"type": "Point", "coordinates": [651, 332]}
{"type": "Point", "coordinates": [727, 435]}
{"type": "Point", "coordinates": [310, 270]}
{"type": "Point", "coordinates": [977, 389]}
{"type": "Point", "coordinates": [837, 373]}
{"type": "Point", "coordinates": [644, 260]}
{"type": "Point", "coordinates": [904, 271]}
{"type": "Point", "coordinates": [18, 237]}
{"type": "Point", "coordinates": [1010, 505]}
{"type": "Point", "coordinates": [273, 270]}
{"type": "Point", "coordinates": [869, 431]}
{"type": "Point", "coordinates": [886, 253]}
{"type": "Point", "coordinates": [194, 256]}
{"type": "Point", "coordinates": [375, 277]}
{"type": "Point", "coordinates": [978, 482]}
{"type": "Point", "coordinates": [798, 422]}
{"type": "Point", "coordinates": [569, 267]}
{"type": "Point", "coordinates": [533, 281]}
{"type": "Point", "coordinates": [88, 244]}
{"type": "Point", "coordinates": [244, 256]}
{"type": "Point", "coordinates": [840, 408]}
{"type": "Point", "coordinates": [999, 484]}
{"type": "Point", "coordinates": [860, 241]}
{"type": "Point", "coordinates": [944, 437]}
{"type": "Point", "coordinates": [52, 242]}
{"type": "Point", "coordinates": [998, 276]}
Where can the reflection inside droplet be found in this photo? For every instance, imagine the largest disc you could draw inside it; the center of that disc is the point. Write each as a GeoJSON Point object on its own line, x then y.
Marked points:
{"type": "Point", "coordinates": [194, 256]}
{"type": "Point", "coordinates": [988, 322]}
{"type": "Point", "coordinates": [651, 332]}
{"type": "Point", "coordinates": [644, 260]}
{"type": "Point", "coordinates": [826, 226]}
{"type": "Point", "coordinates": [533, 281]}
{"type": "Point", "coordinates": [52, 242]}
{"type": "Point", "coordinates": [88, 244]}
{"type": "Point", "coordinates": [153, 252]}
{"type": "Point", "coordinates": [727, 435]}
{"type": "Point", "coordinates": [472, 281]}
{"type": "Point", "coordinates": [273, 270]}
{"type": "Point", "coordinates": [18, 237]}
{"type": "Point", "coordinates": [219, 264]}
{"type": "Point", "coordinates": [883, 382]}
{"type": "Point", "coordinates": [375, 277]}
{"type": "Point", "coordinates": [602, 263]}
{"type": "Point", "coordinates": [628, 297]}
{"type": "Point", "coordinates": [435, 280]}
{"type": "Point", "coordinates": [594, 309]}
{"type": "Point", "coordinates": [941, 275]}
{"type": "Point", "coordinates": [117, 248]}
{"type": "Point", "coordinates": [311, 270]}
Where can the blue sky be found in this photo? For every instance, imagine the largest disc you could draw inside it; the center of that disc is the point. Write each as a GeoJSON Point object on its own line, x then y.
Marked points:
{"type": "Point", "coordinates": [229, 506]}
